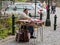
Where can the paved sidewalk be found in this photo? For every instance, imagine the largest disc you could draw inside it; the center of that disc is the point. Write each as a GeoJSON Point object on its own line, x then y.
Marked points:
{"type": "Point", "coordinates": [50, 37]}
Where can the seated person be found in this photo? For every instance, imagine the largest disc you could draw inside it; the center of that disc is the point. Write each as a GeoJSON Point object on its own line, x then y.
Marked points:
{"type": "Point", "coordinates": [24, 15]}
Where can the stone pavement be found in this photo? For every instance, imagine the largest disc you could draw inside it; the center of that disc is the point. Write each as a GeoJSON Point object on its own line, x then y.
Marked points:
{"type": "Point", "coordinates": [50, 37]}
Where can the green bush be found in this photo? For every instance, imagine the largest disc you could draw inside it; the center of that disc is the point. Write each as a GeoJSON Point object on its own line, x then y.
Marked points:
{"type": "Point", "coordinates": [7, 25]}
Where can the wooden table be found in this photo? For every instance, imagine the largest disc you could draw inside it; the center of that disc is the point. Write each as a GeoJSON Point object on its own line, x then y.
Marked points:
{"type": "Point", "coordinates": [35, 23]}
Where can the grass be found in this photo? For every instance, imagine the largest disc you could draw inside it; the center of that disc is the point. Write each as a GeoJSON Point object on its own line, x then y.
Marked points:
{"type": "Point", "coordinates": [3, 33]}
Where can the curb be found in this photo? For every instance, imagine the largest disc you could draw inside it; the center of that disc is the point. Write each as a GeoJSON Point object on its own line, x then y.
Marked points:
{"type": "Point", "coordinates": [6, 39]}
